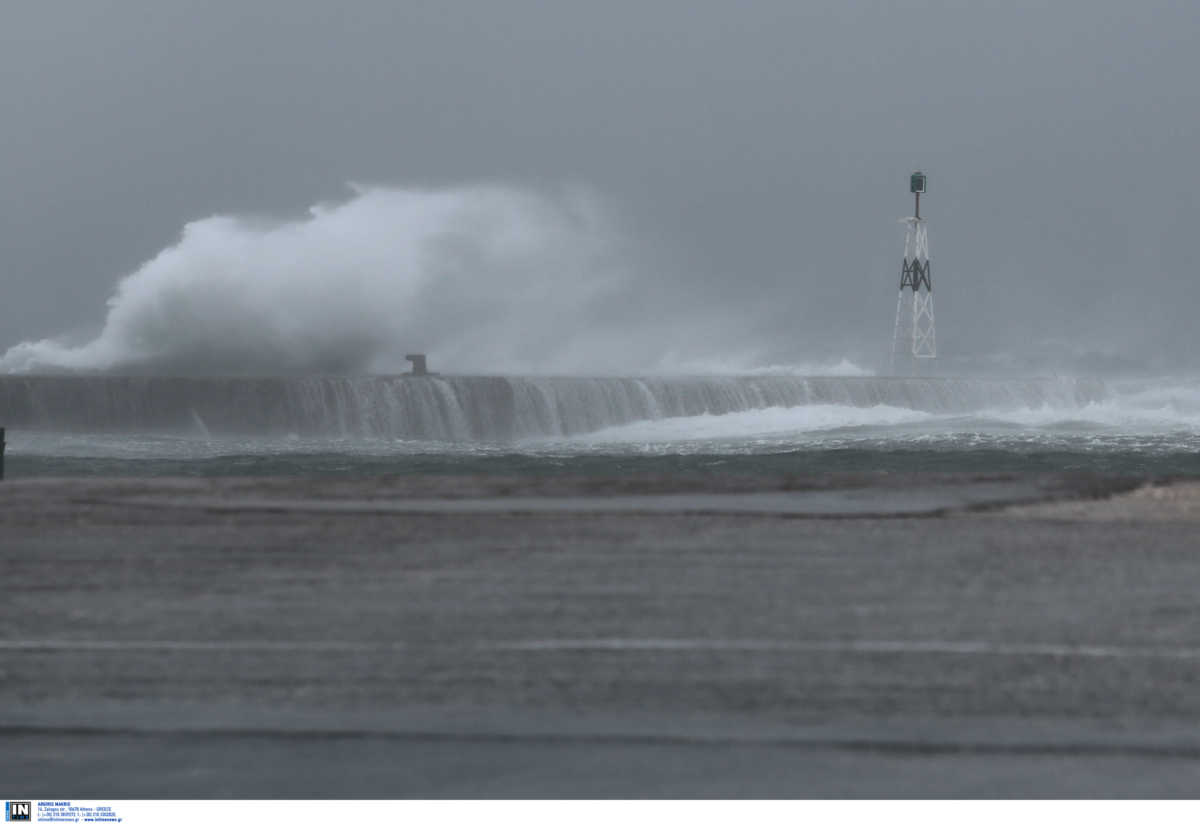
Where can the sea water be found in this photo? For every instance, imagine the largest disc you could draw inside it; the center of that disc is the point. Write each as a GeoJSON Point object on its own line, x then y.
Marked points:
{"type": "Point", "coordinates": [366, 425]}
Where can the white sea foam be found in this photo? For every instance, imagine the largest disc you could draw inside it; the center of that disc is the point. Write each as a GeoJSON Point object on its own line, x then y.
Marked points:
{"type": "Point", "coordinates": [772, 422]}
{"type": "Point", "coordinates": [1110, 414]}
{"type": "Point", "coordinates": [1164, 405]}
{"type": "Point", "coordinates": [751, 365]}
{"type": "Point", "coordinates": [844, 368]}
{"type": "Point", "coordinates": [1167, 407]}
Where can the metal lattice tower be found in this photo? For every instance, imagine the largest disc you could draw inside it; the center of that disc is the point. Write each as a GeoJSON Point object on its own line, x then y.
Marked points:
{"type": "Point", "coordinates": [914, 340]}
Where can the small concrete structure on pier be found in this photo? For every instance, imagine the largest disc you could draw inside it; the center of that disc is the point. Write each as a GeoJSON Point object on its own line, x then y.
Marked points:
{"type": "Point", "coordinates": [418, 362]}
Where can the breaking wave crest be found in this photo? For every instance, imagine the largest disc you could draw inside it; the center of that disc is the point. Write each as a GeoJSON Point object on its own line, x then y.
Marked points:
{"type": "Point", "coordinates": [508, 408]}
{"type": "Point", "coordinates": [1168, 407]}
{"type": "Point", "coordinates": [772, 422]}
{"type": "Point", "coordinates": [482, 278]}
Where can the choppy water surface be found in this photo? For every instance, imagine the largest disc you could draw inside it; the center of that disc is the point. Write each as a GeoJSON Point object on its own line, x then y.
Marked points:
{"type": "Point", "coordinates": [1145, 428]}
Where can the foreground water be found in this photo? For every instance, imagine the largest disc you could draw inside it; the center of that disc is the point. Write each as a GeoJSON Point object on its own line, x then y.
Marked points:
{"type": "Point", "coordinates": [1143, 428]}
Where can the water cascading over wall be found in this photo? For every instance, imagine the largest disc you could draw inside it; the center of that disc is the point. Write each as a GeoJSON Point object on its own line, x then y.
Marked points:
{"type": "Point", "coordinates": [476, 408]}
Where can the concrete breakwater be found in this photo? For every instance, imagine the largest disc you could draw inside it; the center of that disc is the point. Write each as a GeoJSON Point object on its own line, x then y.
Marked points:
{"type": "Point", "coordinates": [481, 408]}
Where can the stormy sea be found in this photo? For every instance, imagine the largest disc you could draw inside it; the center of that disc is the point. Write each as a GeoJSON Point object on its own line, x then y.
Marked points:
{"type": "Point", "coordinates": [308, 318]}
{"type": "Point", "coordinates": [398, 425]}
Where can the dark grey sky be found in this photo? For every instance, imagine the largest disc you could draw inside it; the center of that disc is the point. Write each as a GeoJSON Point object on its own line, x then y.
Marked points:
{"type": "Point", "coordinates": [757, 152]}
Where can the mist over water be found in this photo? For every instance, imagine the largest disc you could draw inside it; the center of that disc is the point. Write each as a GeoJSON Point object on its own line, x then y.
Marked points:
{"type": "Point", "coordinates": [484, 279]}
{"type": "Point", "coordinates": [595, 426]}
{"type": "Point", "coordinates": [265, 345]}
{"type": "Point", "coordinates": [101, 424]}
{"type": "Point", "coordinates": [1129, 410]}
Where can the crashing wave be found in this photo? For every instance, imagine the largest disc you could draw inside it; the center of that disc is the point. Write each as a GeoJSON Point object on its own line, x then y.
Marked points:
{"type": "Point", "coordinates": [483, 408]}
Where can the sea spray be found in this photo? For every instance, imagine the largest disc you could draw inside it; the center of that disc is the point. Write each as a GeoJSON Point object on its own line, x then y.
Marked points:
{"type": "Point", "coordinates": [483, 278]}
{"type": "Point", "coordinates": [494, 408]}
